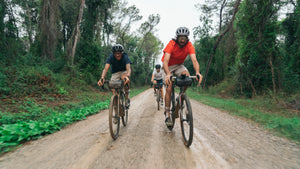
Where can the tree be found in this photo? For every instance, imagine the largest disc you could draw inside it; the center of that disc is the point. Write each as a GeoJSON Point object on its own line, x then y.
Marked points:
{"type": "Point", "coordinates": [75, 35]}
{"type": "Point", "coordinates": [256, 25]}
{"type": "Point", "coordinates": [148, 49]}
{"type": "Point", "coordinates": [236, 7]}
{"type": "Point", "coordinates": [49, 29]}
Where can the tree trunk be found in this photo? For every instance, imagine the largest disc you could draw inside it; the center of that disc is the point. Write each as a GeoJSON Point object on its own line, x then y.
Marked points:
{"type": "Point", "coordinates": [48, 28]}
{"type": "Point", "coordinates": [221, 14]}
{"type": "Point", "coordinates": [236, 7]}
{"type": "Point", "coordinates": [273, 77]}
{"type": "Point", "coordinates": [75, 35]}
{"type": "Point", "coordinates": [253, 88]}
{"type": "Point", "coordinates": [29, 27]}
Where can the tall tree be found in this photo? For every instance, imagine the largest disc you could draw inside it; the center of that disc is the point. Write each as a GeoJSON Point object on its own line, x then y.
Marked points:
{"type": "Point", "coordinates": [75, 35]}
{"type": "Point", "coordinates": [49, 29]}
{"type": "Point", "coordinates": [145, 49]}
{"type": "Point", "coordinates": [236, 7]}
{"type": "Point", "coordinates": [256, 40]}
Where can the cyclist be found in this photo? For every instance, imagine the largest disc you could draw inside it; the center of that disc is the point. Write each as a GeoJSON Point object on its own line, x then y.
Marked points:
{"type": "Point", "coordinates": [175, 53]}
{"type": "Point", "coordinates": [157, 78]}
{"type": "Point", "coordinates": [120, 68]}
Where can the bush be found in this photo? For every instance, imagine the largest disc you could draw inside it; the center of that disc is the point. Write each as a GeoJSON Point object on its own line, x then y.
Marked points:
{"type": "Point", "coordinates": [4, 89]}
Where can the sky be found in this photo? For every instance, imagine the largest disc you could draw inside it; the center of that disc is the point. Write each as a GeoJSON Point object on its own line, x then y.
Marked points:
{"type": "Point", "coordinates": [173, 14]}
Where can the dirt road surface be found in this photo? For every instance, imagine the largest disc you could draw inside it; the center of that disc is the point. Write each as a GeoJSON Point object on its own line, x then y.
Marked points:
{"type": "Point", "coordinates": [221, 141]}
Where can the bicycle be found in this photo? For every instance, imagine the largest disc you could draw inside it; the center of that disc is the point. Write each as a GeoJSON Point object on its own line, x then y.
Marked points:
{"type": "Point", "coordinates": [159, 100]}
{"type": "Point", "coordinates": [117, 108]}
{"type": "Point", "coordinates": [183, 104]}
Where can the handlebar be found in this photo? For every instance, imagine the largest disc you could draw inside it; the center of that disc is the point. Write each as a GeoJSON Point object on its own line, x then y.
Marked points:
{"type": "Point", "coordinates": [192, 77]}
{"type": "Point", "coordinates": [107, 82]}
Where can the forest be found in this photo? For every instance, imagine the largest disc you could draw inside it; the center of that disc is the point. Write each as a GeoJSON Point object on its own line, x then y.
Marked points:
{"type": "Point", "coordinates": [55, 49]}
{"type": "Point", "coordinates": [50, 41]}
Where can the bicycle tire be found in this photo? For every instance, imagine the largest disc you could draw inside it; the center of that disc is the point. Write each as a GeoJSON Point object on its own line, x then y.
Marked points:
{"type": "Point", "coordinates": [124, 110]}
{"type": "Point", "coordinates": [186, 120]}
{"type": "Point", "coordinates": [158, 99]}
{"type": "Point", "coordinates": [114, 125]}
{"type": "Point", "coordinates": [125, 117]}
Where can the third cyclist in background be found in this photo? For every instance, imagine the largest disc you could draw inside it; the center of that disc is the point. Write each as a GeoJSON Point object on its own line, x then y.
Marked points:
{"type": "Point", "coordinates": [157, 78]}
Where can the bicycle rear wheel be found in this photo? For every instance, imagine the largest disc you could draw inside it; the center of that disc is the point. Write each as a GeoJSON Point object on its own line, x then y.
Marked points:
{"type": "Point", "coordinates": [114, 118]}
{"type": "Point", "coordinates": [186, 120]}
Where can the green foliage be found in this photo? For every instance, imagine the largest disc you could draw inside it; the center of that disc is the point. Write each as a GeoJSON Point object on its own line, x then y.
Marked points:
{"type": "Point", "coordinates": [89, 59]}
{"type": "Point", "coordinates": [3, 84]}
{"type": "Point", "coordinates": [256, 45]}
{"type": "Point", "coordinates": [35, 120]}
{"type": "Point", "coordinates": [14, 134]}
{"type": "Point", "coordinates": [290, 67]}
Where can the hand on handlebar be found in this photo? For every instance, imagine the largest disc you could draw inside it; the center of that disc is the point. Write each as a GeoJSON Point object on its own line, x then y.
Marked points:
{"type": "Point", "coordinates": [199, 79]}
{"type": "Point", "coordinates": [126, 80]}
{"type": "Point", "coordinates": [168, 79]}
{"type": "Point", "coordinates": [101, 82]}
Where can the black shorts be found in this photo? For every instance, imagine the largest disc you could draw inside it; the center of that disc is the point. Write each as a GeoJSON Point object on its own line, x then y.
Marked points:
{"type": "Point", "coordinates": [159, 81]}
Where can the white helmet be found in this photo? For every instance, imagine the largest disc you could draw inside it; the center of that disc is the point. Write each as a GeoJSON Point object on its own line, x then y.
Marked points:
{"type": "Point", "coordinates": [182, 31]}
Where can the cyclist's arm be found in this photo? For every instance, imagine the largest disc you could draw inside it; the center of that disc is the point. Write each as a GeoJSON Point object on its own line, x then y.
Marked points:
{"type": "Point", "coordinates": [128, 69]}
{"type": "Point", "coordinates": [195, 63]}
{"type": "Point", "coordinates": [101, 81]}
{"type": "Point", "coordinates": [105, 70]}
{"type": "Point", "coordinates": [197, 68]}
{"type": "Point", "coordinates": [152, 78]}
{"type": "Point", "coordinates": [166, 62]}
{"type": "Point", "coordinates": [166, 68]}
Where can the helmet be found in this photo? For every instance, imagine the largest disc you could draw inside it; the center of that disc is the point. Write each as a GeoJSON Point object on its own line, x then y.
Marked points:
{"type": "Point", "coordinates": [117, 48]}
{"type": "Point", "coordinates": [157, 66]}
{"type": "Point", "coordinates": [182, 31]}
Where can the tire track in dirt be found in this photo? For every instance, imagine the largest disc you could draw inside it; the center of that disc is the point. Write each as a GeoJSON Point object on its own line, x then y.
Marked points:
{"type": "Point", "coordinates": [221, 141]}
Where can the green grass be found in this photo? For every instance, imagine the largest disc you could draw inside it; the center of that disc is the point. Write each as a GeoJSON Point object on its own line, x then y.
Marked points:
{"type": "Point", "coordinates": [32, 121]}
{"type": "Point", "coordinates": [262, 111]}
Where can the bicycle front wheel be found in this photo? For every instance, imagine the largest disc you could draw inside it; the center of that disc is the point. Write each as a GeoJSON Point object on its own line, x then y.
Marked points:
{"type": "Point", "coordinates": [158, 99]}
{"type": "Point", "coordinates": [123, 110]}
{"type": "Point", "coordinates": [114, 118]}
{"type": "Point", "coordinates": [186, 120]}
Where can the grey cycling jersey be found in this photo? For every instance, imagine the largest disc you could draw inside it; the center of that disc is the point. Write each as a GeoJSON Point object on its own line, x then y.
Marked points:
{"type": "Point", "coordinates": [158, 75]}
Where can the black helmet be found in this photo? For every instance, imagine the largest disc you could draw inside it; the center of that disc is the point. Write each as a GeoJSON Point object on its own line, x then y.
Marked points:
{"type": "Point", "coordinates": [117, 48]}
{"type": "Point", "coordinates": [182, 31]}
{"type": "Point", "coordinates": [157, 66]}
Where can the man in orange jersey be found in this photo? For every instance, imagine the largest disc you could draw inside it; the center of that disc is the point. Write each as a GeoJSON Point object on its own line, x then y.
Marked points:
{"type": "Point", "coordinates": [174, 56]}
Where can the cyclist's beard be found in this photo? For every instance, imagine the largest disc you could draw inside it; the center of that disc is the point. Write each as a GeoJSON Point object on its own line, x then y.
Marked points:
{"type": "Point", "coordinates": [182, 44]}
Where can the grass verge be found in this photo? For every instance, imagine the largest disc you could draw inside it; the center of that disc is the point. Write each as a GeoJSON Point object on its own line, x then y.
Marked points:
{"type": "Point", "coordinates": [15, 129]}
{"type": "Point", "coordinates": [281, 121]}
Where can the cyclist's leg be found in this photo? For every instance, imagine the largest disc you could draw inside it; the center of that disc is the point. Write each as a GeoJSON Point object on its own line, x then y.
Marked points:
{"type": "Point", "coordinates": [168, 93]}
{"type": "Point", "coordinates": [115, 77]}
{"type": "Point", "coordinates": [168, 100]}
{"type": "Point", "coordinates": [162, 93]}
{"type": "Point", "coordinates": [154, 82]}
{"type": "Point", "coordinates": [161, 89]}
{"type": "Point", "coordinates": [126, 88]}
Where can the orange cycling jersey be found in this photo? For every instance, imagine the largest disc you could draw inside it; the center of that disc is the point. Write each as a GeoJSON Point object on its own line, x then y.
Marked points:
{"type": "Point", "coordinates": [178, 54]}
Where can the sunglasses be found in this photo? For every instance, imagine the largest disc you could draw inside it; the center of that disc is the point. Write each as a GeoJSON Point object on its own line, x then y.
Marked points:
{"type": "Point", "coordinates": [181, 38]}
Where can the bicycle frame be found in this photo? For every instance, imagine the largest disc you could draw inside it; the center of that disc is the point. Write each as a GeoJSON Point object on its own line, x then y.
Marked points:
{"type": "Point", "coordinates": [177, 106]}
